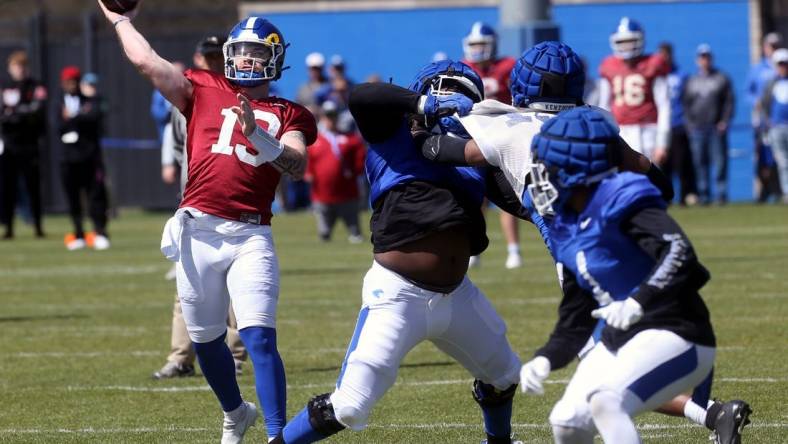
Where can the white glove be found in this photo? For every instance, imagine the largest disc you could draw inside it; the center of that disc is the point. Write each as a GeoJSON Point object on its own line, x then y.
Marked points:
{"type": "Point", "coordinates": [533, 373]}
{"type": "Point", "coordinates": [620, 314]}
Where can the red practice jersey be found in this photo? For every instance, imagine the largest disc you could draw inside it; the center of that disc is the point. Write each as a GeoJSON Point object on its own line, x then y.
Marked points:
{"type": "Point", "coordinates": [226, 177]}
{"type": "Point", "coordinates": [632, 87]}
{"type": "Point", "coordinates": [496, 78]}
{"type": "Point", "coordinates": [334, 163]}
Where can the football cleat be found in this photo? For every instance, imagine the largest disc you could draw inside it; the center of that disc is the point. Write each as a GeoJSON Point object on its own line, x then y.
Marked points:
{"type": "Point", "coordinates": [513, 261]}
{"type": "Point", "coordinates": [100, 242]}
{"type": "Point", "coordinates": [233, 430]}
{"type": "Point", "coordinates": [174, 370]}
{"type": "Point", "coordinates": [76, 244]}
{"type": "Point", "coordinates": [513, 441]}
{"type": "Point", "coordinates": [730, 422]}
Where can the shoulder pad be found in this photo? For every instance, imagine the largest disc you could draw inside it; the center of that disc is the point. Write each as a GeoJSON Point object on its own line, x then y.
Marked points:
{"type": "Point", "coordinates": [623, 193]}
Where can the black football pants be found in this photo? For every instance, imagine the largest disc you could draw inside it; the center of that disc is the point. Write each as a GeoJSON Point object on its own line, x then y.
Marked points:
{"type": "Point", "coordinates": [87, 176]}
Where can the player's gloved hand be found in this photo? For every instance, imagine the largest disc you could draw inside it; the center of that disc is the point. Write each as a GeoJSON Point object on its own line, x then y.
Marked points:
{"type": "Point", "coordinates": [436, 107]}
{"type": "Point", "coordinates": [533, 373]}
{"type": "Point", "coordinates": [620, 314]}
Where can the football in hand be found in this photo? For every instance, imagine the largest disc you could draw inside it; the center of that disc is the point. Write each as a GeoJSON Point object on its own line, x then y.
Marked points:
{"type": "Point", "coordinates": [120, 6]}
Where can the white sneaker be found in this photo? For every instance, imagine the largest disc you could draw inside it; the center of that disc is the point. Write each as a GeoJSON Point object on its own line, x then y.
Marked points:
{"type": "Point", "coordinates": [100, 242]}
{"type": "Point", "coordinates": [76, 244]}
{"type": "Point", "coordinates": [355, 239]}
{"type": "Point", "coordinates": [475, 262]}
{"type": "Point", "coordinates": [233, 431]}
{"type": "Point", "coordinates": [513, 261]}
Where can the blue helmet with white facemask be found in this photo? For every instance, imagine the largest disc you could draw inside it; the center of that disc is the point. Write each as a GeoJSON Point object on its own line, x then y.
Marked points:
{"type": "Point", "coordinates": [480, 44]}
{"type": "Point", "coordinates": [575, 148]}
{"type": "Point", "coordinates": [254, 52]}
{"type": "Point", "coordinates": [548, 77]}
{"type": "Point", "coordinates": [446, 77]}
{"type": "Point", "coordinates": [628, 40]}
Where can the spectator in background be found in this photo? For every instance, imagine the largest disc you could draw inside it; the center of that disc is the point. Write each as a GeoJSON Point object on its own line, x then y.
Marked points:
{"type": "Point", "coordinates": [335, 162]}
{"type": "Point", "coordinates": [180, 362]}
{"type": "Point", "coordinates": [679, 157]}
{"type": "Point", "coordinates": [774, 104]}
{"type": "Point", "coordinates": [707, 100]}
{"type": "Point", "coordinates": [82, 166]}
{"type": "Point", "coordinates": [761, 74]}
{"type": "Point", "coordinates": [315, 64]}
{"type": "Point", "coordinates": [22, 124]}
{"type": "Point", "coordinates": [160, 108]}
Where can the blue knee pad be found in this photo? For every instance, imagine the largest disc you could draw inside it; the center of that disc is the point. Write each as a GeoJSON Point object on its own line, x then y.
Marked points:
{"type": "Point", "coordinates": [269, 373]}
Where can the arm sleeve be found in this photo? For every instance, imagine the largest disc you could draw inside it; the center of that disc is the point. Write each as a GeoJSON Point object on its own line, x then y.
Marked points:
{"type": "Point", "coordinates": [676, 265]}
{"type": "Point", "coordinates": [378, 109]}
{"type": "Point", "coordinates": [444, 149]}
{"type": "Point", "coordinates": [501, 193]}
{"type": "Point", "coordinates": [661, 181]}
{"type": "Point", "coordinates": [661, 92]}
{"type": "Point", "coordinates": [575, 324]}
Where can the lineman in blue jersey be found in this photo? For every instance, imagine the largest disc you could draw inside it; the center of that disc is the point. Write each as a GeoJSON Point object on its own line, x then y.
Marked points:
{"type": "Point", "coordinates": [546, 79]}
{"type": "Point", "coordinates": [426, 222]}
{"type": "Point", "coordinates": [625, 261]}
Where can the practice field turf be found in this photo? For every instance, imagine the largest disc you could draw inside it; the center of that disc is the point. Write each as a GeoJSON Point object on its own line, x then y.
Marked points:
{"type": "Point", "coordinates": [81, 333]}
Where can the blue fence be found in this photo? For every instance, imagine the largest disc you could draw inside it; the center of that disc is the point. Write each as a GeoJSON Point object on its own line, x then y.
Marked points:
{"type": "Point", "coordinates": [394, 44]}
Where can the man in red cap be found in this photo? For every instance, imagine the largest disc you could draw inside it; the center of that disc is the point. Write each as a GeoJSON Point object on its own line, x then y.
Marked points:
{"type": "Point", "coordinates": [82, 166]}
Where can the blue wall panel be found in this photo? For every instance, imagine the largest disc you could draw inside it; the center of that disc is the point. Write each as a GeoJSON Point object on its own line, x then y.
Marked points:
{"type": "Point", "coordinates": [395, 44]}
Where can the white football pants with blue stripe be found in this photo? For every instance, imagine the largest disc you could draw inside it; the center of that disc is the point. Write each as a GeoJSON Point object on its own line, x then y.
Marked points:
{"type": "Point", "coordinates": [649, 370]}
{"type": "Point", "coordinates": [395, 316]}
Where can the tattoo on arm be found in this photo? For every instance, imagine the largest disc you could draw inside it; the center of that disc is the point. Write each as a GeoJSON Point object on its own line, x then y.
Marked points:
{"type": "Point", "coordinates": [292, 161]}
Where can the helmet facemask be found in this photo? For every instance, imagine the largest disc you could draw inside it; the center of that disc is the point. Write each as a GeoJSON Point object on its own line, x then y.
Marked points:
{"type": "Point", "coordinates": [478, 50]}
{"type": "Point", "coordinates": [627, 45]}
{"type": "Point", "coordinates": [250, 63]}
{"type": "Point", "coordinates": [446, 85]}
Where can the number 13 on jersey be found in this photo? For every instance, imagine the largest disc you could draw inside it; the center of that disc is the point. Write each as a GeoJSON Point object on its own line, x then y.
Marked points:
{"type": "Point", "coordinates": [222, 146]}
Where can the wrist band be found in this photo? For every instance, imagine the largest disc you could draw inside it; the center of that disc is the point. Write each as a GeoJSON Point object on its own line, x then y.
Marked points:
{"type": "Point", "coordinates": [267, 145]}
{"type": "Point", "coordinates": [122, 19]}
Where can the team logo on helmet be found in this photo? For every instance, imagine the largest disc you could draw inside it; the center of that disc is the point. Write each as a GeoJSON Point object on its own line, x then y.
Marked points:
{"type": "Point", "coordinates": [548, 77]}
{"type": "Point", "coordinates": [575, 148]}
{"type": "Point", "coordinates": [254, 52]}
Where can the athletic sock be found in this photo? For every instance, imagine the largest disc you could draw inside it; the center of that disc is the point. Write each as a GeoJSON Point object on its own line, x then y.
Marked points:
{"type": "Point", "coordinates": [513, 248]}
{"type": "Point", "coordinates": [498, 423]}
{"type": "Point", "coordinates": [299, 430]}
{"type": "Point", "coordinates": [269, 375]}
{"type": "Point", "coordinates": [217, 365]}
{"type": "Point", "coordinates": [695, 413]}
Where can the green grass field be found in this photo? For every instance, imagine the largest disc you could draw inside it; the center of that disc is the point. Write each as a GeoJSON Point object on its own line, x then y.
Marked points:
{"type": "Point", "coordinates": [81, 332]}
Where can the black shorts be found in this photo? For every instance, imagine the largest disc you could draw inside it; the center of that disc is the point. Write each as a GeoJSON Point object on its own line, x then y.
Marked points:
{"type": "Point", "coordinates": [414, 210]}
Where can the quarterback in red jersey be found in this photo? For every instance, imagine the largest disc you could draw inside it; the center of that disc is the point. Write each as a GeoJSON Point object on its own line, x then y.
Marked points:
{"type": "Point", "coordinates": [480, 48]}
{"type": "Point", "coordinates": [239, 140]}
{"type": "Point", "coordinates": [634, 87]}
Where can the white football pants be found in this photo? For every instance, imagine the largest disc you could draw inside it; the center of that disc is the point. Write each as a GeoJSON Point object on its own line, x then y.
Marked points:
{"type": "Point", "coordinates": [649, 370]}
{"type": "Point", "coordinates": [641, 138]}
{"type": "Point", "coordinates": [395, 316]}
{"type": "Point", "coordinates": [218, 260]}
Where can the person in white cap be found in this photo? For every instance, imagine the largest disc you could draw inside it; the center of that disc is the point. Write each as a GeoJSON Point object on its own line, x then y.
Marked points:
{"type": "Point", "coordinates": [774, 105]}
{"type": "Point", "coordinates": [315, 62]}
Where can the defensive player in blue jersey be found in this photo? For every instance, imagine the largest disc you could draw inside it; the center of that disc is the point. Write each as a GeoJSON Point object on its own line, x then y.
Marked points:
{"type": "Point", "coordinates": [426, 223]}
{"type": "Point", "coordinates": [546, 79]}
{"type": "Point", "coordinates": [626, 261]}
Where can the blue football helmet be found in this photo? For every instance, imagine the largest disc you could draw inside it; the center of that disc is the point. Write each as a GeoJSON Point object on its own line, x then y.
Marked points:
{"type": "Point", "coordinates": [444, 78]}
{"type": "Point", "coordinates": [575, 148]}
{"type": "Point", "coordinates": [254, 52]}
{"type": "Point", "coordinates": [548, 77]}
{"type": "Point", "coordinates": [628, 40]}
{"type": "Point", "coordinates": [480, 44]}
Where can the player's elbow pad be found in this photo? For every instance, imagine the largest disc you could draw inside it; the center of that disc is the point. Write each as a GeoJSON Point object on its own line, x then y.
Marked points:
{"type": "Point", "coordinates": [444, 149]}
